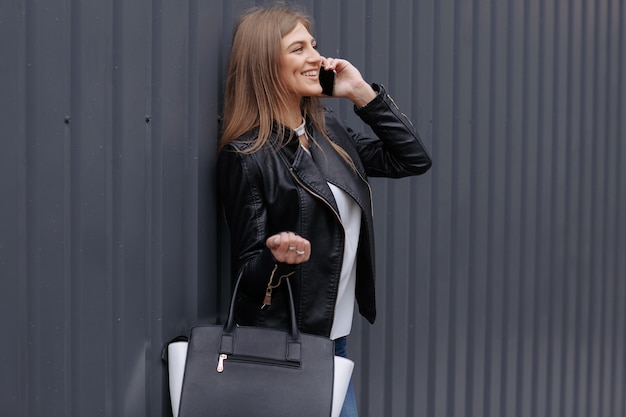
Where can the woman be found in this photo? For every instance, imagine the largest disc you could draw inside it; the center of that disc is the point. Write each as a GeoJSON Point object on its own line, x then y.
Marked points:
{"type": "Point", "coordinates": [293, 178]}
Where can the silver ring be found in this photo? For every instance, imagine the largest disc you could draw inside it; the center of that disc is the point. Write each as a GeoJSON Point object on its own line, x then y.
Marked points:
{"type": "Point", "coordinates": [300, 252]}
{"type": "Point", "coordinates": [292, 248]}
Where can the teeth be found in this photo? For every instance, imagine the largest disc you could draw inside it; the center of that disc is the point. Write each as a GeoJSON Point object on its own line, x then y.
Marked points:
{"type": "Point", "coordinates": [310, 73]}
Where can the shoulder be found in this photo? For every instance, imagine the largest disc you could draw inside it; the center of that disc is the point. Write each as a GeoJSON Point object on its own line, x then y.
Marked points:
{"type": "Point", "coordinates": [242, 143]}
{"type": "Point", "coordinates": [236, 155]}
{"type": "Point", "coordinates": [241, 155]}
{"type": "Point", "coordinates": [334, 125]}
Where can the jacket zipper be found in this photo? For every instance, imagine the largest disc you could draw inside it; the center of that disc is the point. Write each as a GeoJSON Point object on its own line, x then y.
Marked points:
{"type": "Point", "coordinates": [398, 108]}
{"type": "Point", "coordinates": [319, 197]}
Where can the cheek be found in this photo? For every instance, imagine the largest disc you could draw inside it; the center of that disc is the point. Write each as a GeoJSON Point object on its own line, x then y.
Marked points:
{"type": "Point", "coordinates": [286, 80]}
{"type": "Point", "coordinates": [289, 79]}
{"type": "Point", "coordinates": [285, 72]}
{"type": "Point", "coordinates": [289, 66]}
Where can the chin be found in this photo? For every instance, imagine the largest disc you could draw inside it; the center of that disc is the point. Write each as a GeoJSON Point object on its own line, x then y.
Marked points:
{"type": "Point", "coordinates": [316, 92]}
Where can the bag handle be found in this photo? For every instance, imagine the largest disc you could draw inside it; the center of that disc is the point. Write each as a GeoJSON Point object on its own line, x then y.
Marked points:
{"type": "Point", "coordinates": [228, 335]}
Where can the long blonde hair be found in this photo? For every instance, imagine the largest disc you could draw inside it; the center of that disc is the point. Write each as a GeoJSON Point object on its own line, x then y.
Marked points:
{"type": "Point", "coordinates": [254, 95]}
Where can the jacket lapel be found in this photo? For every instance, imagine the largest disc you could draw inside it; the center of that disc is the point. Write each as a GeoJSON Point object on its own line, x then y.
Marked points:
{"type": "Point", "coordinates": [336, 171]}
{"type": "Point", "coordinates": [324, 165]}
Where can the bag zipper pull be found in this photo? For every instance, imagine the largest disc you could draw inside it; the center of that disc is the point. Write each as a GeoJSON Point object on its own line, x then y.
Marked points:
{"type": "Point", "coordinates": [267, 301]}
{"type": "Point", "coordinates": [220, 362]}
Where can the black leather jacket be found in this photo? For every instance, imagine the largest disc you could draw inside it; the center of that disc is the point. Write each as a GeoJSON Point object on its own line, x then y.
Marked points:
{"type": "Point", "coordinates": [270, 191]}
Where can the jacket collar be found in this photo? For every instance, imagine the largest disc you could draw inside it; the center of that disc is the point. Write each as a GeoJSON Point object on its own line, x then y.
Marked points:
{"type": "Point", "coordinates": [324, 165]}
{"type": "Point", "coordinates": [307, 170]}
{"type": "Point", "coordinates": [336, 171]}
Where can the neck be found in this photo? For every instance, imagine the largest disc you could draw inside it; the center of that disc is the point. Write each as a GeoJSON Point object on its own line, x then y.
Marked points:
{"type": "Point", "coordinates": [292, 115]}
{"type": "Point", "coordinates": [293, 120]}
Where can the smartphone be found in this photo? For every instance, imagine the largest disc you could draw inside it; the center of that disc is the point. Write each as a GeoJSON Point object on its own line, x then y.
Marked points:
{"type": "Point", "coordinates": [327, 81]}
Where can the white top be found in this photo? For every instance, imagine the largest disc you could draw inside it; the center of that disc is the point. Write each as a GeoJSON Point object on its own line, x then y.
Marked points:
{"type": "Point", "coordinates": [350, 213]}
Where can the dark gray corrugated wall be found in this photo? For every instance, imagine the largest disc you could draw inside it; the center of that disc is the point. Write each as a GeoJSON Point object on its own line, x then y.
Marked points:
{"type": "Point", "coordinates": [502, 272]}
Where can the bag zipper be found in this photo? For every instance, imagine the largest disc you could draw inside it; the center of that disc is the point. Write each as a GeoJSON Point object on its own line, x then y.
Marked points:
{"type": "Point", "coordinates": [253, 360]}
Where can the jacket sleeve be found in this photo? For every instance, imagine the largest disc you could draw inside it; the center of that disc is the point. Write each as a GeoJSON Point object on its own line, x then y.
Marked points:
{"type": "Point", "coordinates": [397, 150]}
{"type": "Point", "coordinates": [246, 214]}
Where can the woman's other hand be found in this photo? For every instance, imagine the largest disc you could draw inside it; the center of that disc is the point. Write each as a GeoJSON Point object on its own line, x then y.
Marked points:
{"type": "Point", "coordinates": [289, 248]}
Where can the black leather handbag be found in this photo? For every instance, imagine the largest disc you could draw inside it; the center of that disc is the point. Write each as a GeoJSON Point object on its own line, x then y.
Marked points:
{"type": "Point", "coordinates": [240, 371]}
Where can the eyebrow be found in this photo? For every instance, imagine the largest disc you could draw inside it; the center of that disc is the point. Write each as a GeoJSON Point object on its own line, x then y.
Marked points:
{"type": "Point", "coordinates": [313, 41]}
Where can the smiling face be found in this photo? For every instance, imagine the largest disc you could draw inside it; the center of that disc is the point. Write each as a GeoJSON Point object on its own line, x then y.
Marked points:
{"type": "Point", "coordinates": [300, 63]}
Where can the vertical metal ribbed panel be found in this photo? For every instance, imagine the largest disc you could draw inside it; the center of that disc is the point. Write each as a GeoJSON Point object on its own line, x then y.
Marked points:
{"type": "Point", "coordinates": [501, 272]}
{"type": "Point", "coordinates": [109, 127]}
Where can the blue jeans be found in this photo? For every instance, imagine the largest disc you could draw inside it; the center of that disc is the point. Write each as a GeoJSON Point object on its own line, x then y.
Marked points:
{"type": "Point", "coordinates": [349, 404]}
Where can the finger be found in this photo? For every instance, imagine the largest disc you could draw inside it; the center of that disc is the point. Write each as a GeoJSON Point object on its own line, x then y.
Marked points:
{"type": "Point", "coordinates": [290, 242]}
{"type": "Point", "coordinates": [330, 64]}
{"type": "Point", "coordinates": [273, 241]}
{"type": "Point", "coordinates": [303, 252]}
{"type": "Point", "coordinates": [280, 244]}
{"type": "Point", "coordinates": [293, 249]}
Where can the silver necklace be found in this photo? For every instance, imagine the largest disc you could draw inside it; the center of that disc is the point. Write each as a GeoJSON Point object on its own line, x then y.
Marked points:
{"type": "Point", "coordinates": [300, 129]}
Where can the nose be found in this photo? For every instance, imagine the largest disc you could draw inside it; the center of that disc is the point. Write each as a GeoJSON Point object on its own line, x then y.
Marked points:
{"type": "Point", "coordinates": [315, 57]}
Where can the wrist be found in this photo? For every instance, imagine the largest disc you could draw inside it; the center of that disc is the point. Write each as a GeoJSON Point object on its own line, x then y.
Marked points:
{"type": "Point", "coordinates": [363, 95]}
